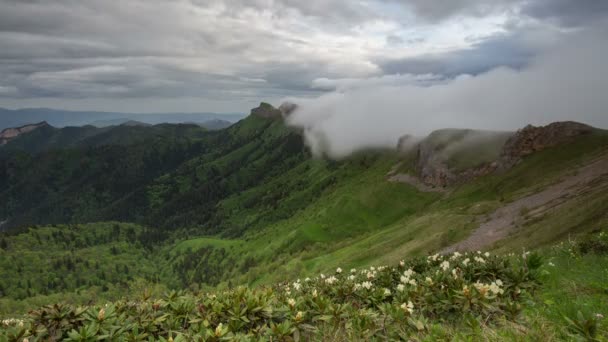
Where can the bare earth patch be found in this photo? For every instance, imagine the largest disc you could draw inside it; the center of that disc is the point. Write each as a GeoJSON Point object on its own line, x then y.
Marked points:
{"type": "Point", "coordinates": [502, 221]}
{"type": "Point", "coordinates": [395, 177]}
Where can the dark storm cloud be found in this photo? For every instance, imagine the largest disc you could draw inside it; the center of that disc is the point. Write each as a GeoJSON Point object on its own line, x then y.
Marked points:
{"type": "Point", "coordinates": [232, 49]}
{"type": "Point", "coordinates": [567, 12]}
{"type": "Point", "coordinates": [499, 51]}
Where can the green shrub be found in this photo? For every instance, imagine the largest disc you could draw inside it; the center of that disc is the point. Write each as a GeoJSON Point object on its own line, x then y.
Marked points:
{"type": "Point", "coordinates": [377, 302]}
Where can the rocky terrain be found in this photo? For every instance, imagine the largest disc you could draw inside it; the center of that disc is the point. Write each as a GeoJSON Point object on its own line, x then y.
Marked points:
{"type": "Point", "coordinates": [266, 111]}
{"type": "Point", "coordinates": [432, 165]}
{"type": "Point", "coordinates": [9, 134]}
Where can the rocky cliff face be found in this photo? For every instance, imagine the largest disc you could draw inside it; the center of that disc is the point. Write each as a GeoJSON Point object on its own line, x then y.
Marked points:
{"type": "Point", "coordinates": [432, 164]}
{"type": "Point", "coordinates": [9, 134]}
{"type": "Point", "coordinates": [532, 139]}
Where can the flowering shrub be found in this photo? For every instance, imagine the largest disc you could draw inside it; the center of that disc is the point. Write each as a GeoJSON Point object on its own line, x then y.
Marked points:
{"type": "Point", "coordinates": [594, 244]}
{"type": "Point", "coordinates": [390, 302]}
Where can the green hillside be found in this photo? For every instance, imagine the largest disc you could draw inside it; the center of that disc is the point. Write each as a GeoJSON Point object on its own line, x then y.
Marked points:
{"type": "Point", "coordinates": [208, 211]}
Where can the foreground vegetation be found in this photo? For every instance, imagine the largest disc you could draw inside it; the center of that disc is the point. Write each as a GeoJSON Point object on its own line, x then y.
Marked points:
{"type": "Point", "coordinates": [378, 302]}
{"type": "Point", "coordinates": [557, 294]}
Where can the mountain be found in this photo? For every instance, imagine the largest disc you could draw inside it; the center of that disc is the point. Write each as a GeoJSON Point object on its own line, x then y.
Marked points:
{"type": "Point", "coordinates": [44, 137]}
{"type": "Point", "coordinates": [62, 118]}
{"type": "Point", "coordinates": [180, 207]}
{"type": "Point", "coordinates": [9, 134]}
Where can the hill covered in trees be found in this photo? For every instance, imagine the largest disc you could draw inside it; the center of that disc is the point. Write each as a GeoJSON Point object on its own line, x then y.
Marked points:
{"type": "Point", "coordinates": [149, 209]}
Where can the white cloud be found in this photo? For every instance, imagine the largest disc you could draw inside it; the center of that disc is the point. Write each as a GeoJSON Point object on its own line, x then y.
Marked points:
{"type": "Point", "coordinates": [566, 82]}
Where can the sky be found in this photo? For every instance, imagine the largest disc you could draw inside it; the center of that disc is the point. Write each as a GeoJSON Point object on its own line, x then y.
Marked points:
{"type": "Point", "coordinates": [228, 55]}
{"type": "Point", "coordinates": [363, 72]}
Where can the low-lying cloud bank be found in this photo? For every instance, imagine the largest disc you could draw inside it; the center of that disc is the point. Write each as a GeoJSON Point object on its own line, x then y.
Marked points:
{"type": "Point", "coordinates": [568, 81]}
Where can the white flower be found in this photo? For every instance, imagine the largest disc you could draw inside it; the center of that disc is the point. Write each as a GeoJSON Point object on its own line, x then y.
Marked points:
{"type": "Point", "coordinates": [357, 286]}
{"type": "Point", "coordinates": [551, 264]}
{"type": "Point", "coordinates": [445, 265]}
{"type": "Point", "coordinates": [297, 286]}
{"type": "Point", "coordinates": [455, 273]}
{"type": "Point", "coordinates": [353, 270]}
{"type": "Point", "coordinates": [498, 282]}
{"type": "Point", "coordinates": [599, 316]}
{"type": "Point", "coordinates": [331, 280]}
{"type": "Point", "coordinates": [387, 292]}
{"type": "Point", "coordinates": [412, 282]}
{"type": "Point", "coordinates": [487, 254]}
{"type": "Point", "coordinates": [402, 263]}
{"type": "Point", "coordinates": [367, 285]}
{"type": "Point", "coordinates": [409, 272]}
{"type": "Point", "coordinates": [400, 287]}
{"type": "Point", "coordinates": [291, 302]}
{"type": "Point", "coordinates": [429, 280]}
{"type": "Point", "coordinates": [480, 260]}
{"type": "Point", "coordinates": [351, 277]}
{"type": "Point", "coordinates": [307, 279]}
{"type": "Point", "coordinates": [338, 270]}
{"type": "Point", "coordinates": [456, 255]}
{"type": "Point", "coordinates": [408, 307]}
{"type": "Point", "coordinates": [370, 275]}
{"type": "Point", "coordinates": [495, 288]}
{"type": "Point", "coordinates": [322, 276]}
{"type": "Point", "coordinates": [466, 261]}
{"type": "Point", "coordinates": [315, 293]}
{"type": "Point", "coordinates": [287, 292]}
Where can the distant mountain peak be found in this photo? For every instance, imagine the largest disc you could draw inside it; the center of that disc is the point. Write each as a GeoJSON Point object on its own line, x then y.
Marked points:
{"type": "Point", "coordinates": [9, 134]}
{"type": "Point", "coordinates": [267, 111]}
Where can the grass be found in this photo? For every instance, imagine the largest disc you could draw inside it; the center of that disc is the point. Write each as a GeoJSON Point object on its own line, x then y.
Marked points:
{"type": "Point", "coordinates": [344, 214]}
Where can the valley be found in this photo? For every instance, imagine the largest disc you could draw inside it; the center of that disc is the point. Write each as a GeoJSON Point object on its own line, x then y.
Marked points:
{"type": "Point", "coordinates": [259, 209]}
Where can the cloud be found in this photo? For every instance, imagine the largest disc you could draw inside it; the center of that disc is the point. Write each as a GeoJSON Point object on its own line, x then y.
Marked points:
{"type": "Point", "coordinates": [567, 13]}
{"type": "Point", "coordinates": [513, 50]}
{"type": "Point", "coordinates": [68, 51]}
{"type": "Point", "coordinates": [567, 81]}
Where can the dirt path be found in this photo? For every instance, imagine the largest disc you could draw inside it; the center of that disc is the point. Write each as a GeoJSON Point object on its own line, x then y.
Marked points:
{"type": "Point", "coordinates": [393, 176]}
{"type": "Point", "coordinates": [501, 222]}
{"type": "Point", "coordinates": [413, 181]}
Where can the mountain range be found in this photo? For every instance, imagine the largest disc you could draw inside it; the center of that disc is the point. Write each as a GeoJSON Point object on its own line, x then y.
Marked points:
{"type": "Point", "coordinates": [91, 212]}
{"type": "Point", "coordinates": [62, 118]}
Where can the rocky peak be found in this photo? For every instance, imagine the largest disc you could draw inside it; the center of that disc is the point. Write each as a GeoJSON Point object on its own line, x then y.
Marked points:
{"type": "Point", "coordinates": [287, 108]}
{"type": "Point", "coordinates": [433, 168]}
{"type": "Point", "coordinates": [532, 139]}
{"type": "Point", "coordinates": [266, 111]}
{"type": "Point", "coordinates": [9, 134]}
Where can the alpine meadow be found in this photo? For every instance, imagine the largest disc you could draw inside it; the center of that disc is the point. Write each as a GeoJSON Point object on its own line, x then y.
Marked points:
{"type": "Point", "coordinates": [415, 171]}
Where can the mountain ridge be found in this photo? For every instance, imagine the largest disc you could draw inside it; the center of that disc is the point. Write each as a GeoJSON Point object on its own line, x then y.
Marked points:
{"type": "Point", "coordinates": [62, 118]}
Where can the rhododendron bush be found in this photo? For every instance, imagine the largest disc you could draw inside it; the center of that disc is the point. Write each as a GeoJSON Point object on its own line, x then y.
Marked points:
{"type": "Point", "coordinates": [383, 301]}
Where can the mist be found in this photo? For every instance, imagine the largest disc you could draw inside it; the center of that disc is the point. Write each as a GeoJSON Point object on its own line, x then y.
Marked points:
{"type": "Point", "coordinates": [568, 81]}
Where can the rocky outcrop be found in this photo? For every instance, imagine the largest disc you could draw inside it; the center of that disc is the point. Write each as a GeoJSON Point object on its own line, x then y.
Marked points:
{"type": "Point", "coordinates": [533, 139]}
{"type": "Point", "coordinates": [432, 165]}
{"type": "Point", "coordinates": [287, 108]}
{"type": "Point", "coordinates": [266, 111]}
{"type": "Point", "coordinates": [9, 134]}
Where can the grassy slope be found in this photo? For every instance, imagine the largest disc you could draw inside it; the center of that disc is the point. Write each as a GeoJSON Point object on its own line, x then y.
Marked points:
{"type": "Point", "coordinates": [366, 220]}
{"type": "Point", "coordinates": [346, 214]}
